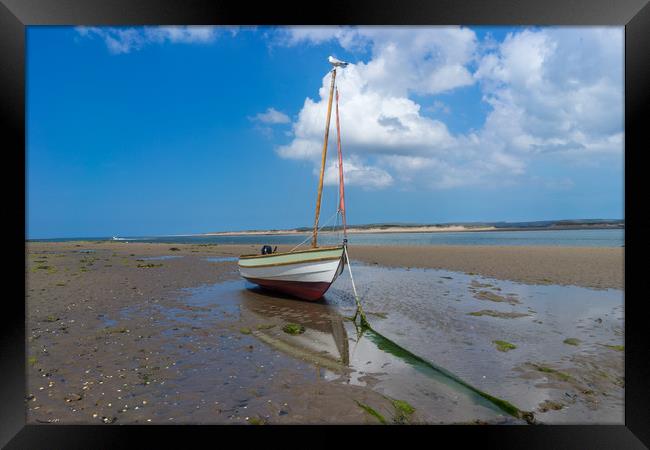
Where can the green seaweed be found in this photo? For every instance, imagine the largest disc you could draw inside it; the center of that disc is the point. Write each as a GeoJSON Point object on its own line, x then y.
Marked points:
{"type": "Point", "coordinates": [561, 375]}
{"type": "Point", "coordinates": [547, 405]}
{"type": "Point", "coordinates": [403, 406]}
{"type": "Point", "coordinates": [499, 314]}
{"type": "Point", "coordinates": [149, 265]}
{"type": "Point", "coordinates": [245, 330]}
{"type": "Point", "coordinates": [32, 360]}
{"type": "Point", "coordinates": [293, 328]}
{"type": "Point", "coordinates": [256, 421]}
{"type": "Point", "coordinates": [445, 376]}
{"type": "Point", "coordinates": [372, 412]}
{"type": "Point", "coordinates": [619, 348]}
{"type": "Point", "coordinates": [572, 341]}
{"type": "Point", "coordinates": [145, 377]}
{"type": "Point", "coordinates": [115, 330]}
{"type": "Point", "coordinates": [431, 370]}
{"type": "Point", "coordinates": [504, 346]}
{"type": "Point", "coordinates": [266, 326]}
{"type": "Point", "coordinates": [491, 296]}
{"type": "Point", "coordinates": [403, 411]}
{"type": "Point", "coordinates": [363, 322]}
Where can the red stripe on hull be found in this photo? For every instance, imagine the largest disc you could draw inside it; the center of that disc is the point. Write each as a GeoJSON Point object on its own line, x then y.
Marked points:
{"type": "Point", "coordinates": [301, 289]}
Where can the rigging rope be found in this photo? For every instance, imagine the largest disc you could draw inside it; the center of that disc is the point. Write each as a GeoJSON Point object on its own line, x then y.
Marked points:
{"type": "Point", "coordinates": [341, 206]}
{"type": "Point", "coordinates": [327, 222]}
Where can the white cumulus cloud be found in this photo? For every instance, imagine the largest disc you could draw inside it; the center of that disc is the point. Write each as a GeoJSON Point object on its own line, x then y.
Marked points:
{"type": "Point", "coordinates": [127, 39]}
{"type": "Point", "coordinates": [555, 90]}
{"type": "Point", "coordinates": [271, 116]}
{"type": "Point", "coordinates": [552, 91]}
{"type": "Point", "coordinates": [356, 173]}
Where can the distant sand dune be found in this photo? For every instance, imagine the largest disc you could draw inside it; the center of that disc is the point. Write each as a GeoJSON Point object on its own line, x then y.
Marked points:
{"type": "Point", "coordinates": [389, 229]}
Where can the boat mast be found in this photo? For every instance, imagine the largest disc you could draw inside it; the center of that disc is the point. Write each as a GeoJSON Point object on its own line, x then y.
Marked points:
{"type": "Point", "coordinates": [314, 241]}
{"type": "Point", "coordinates": [341, 184]}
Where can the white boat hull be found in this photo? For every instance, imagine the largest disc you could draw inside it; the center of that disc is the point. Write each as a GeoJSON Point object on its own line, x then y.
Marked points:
{"type": "Point", "coordinates": [306, 274]}
{"type": "Point", "coordinates": [309, 272]}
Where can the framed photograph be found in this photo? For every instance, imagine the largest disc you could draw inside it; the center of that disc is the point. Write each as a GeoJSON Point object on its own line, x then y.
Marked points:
{"type": "Point", "coordinates": [410, 218]}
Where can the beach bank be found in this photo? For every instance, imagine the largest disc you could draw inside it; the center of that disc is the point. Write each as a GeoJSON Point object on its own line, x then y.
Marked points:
{"type": "Point", "coordinates": [168, 333]}
{"type": "Point", "coordinates": [595, 267]}
{"type": "Point", "coordinates": [110, 341]}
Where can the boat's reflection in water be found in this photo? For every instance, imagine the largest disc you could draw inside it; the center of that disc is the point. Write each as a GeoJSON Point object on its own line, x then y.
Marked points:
{"type": "Point", "coordinates": [323, 342]}
{"type": "Point", "coordinates": [373, 359]}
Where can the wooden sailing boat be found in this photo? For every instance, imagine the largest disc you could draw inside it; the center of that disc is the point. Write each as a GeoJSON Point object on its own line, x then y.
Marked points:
{"type": "Point", "coordinates": [306, 274]}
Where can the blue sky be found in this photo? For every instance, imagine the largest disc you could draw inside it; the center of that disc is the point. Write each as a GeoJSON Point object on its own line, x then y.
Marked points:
{"type": "Point", "coordinates": [148, 131]}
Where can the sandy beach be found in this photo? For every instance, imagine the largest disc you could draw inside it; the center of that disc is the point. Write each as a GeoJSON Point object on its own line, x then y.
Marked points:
{"type": "Point", "coordinates": [596, 267]}
{"type": "Point", "coordinates": [353, 230]}
{"type": "Point", "coordinates": [165, 333]}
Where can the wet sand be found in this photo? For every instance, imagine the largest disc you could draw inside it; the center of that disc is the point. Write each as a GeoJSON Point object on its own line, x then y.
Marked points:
{"type": "Point", "coordinates": [596, 267]}
{"type": "Point", "coordinates": [110, 342]}
{"type": "Point", "coordinates": [140, 333]}
{"type": "Point", "coordinates": [554, 350]}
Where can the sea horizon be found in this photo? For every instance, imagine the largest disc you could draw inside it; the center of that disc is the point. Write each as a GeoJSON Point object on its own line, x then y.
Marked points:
{"type": "Point", "coordinates": [583, 237]}
{"type": "Point", "coordinates": [384, 227]}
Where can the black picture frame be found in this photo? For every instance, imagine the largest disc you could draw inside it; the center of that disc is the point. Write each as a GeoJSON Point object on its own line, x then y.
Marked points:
{"type": "Point", "coordinates": [15, 15]}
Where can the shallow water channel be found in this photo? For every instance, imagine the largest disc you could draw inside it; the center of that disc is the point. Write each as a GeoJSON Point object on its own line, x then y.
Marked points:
{"type": "Point", "coordinates": [568, 339]}
{"type": "Point", "coordinates": [563, 360]}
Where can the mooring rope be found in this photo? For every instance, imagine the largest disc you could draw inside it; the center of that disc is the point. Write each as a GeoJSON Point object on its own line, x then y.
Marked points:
{"type": "Point", "coordinates": [503, 405]}
{"type": "Point", "coordinates": [359, 312]}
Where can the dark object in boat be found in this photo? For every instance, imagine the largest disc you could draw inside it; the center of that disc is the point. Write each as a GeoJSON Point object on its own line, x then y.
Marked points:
{"type": "Point", "coordinates": [266, 250]}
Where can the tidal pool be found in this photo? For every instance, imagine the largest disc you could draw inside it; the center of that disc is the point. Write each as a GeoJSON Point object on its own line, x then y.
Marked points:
{"type": "Point", "coordinates": [441, 316]}
{"type": "Point", "coordinates": [562, 362]}
{"type": "Point", "coordinates": [161, 258]}
{"type": "Point", "coordinates": [221, 259]}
